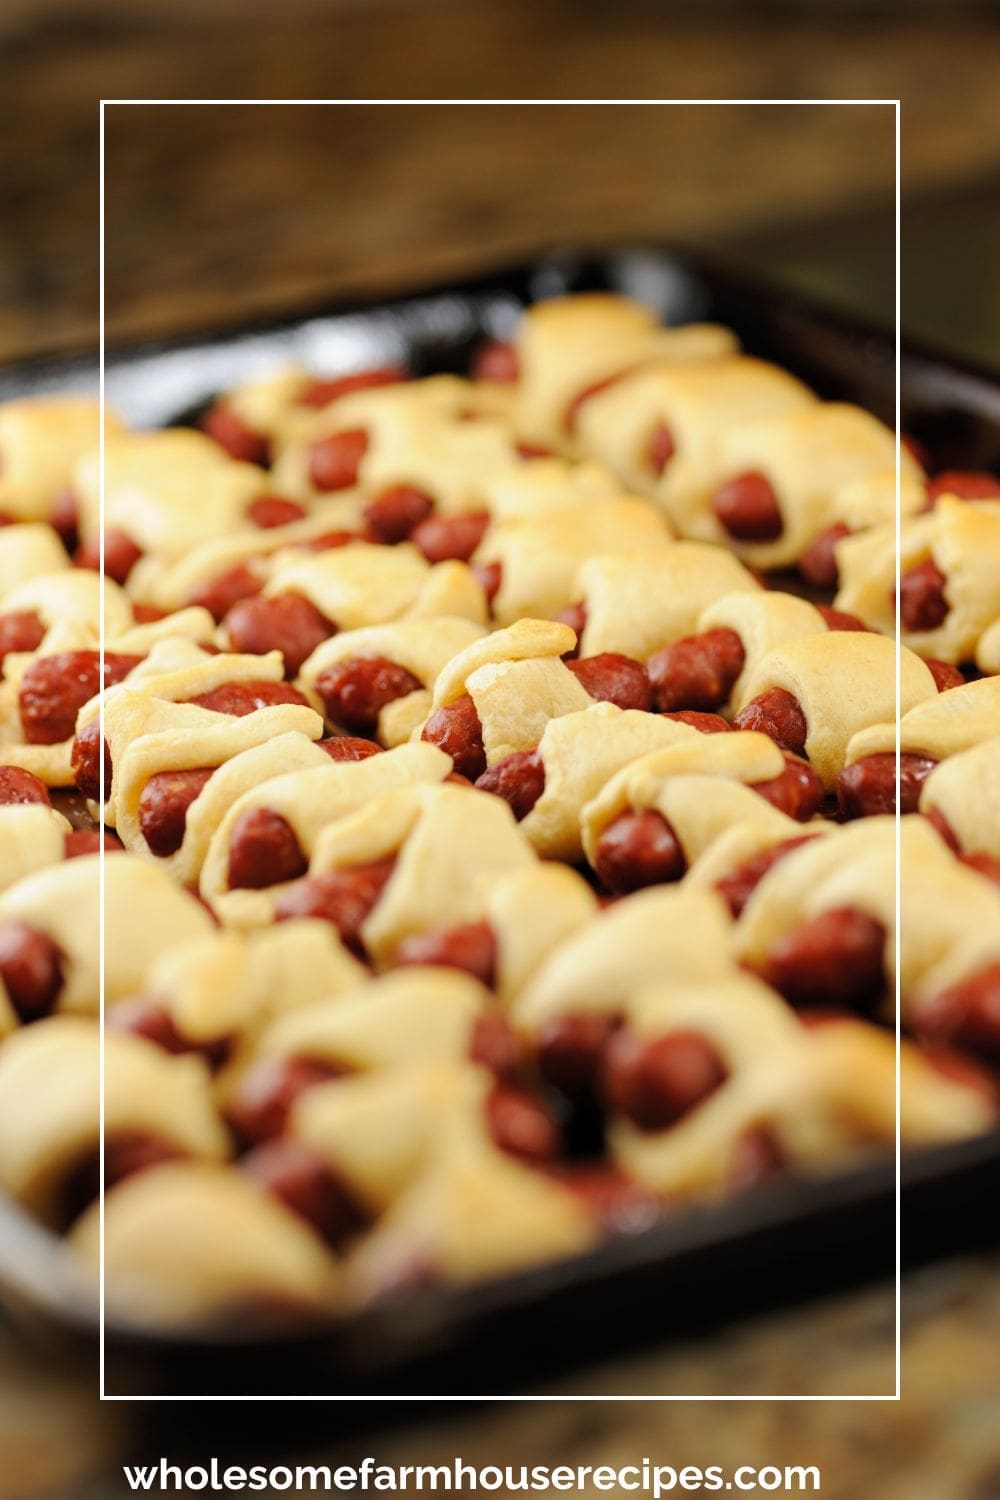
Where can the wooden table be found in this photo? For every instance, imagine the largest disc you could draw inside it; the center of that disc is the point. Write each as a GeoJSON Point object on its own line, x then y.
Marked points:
{"type": "Point", "coordinates": [224, 213]}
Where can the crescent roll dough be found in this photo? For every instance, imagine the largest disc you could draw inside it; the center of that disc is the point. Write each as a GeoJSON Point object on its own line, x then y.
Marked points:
{"type": "Point", "coordinates": [568, 345]}
{"type": "Point", "coordinates": [308, 800]}
{"type": "Point", "coordinates": [49, 1113]}
{"type": "Point", "coordinates": [31, 837]}
{"type": "Point", "coordinates": [809, 456]}
{"type": "Point", "coordinates": [944, 725]}
{"type": "Point", "coordinates": [448, 842]}
{"type": "Point", "coordinates": [965, 791]}
{"type": "Point", "coordinates": [62, 902]}
{"type": "Point", "coordinates": [703, 789]}
{"type": "Point", "coordinates": [963, 540]}
{"type": "Point", "coordinates": [27, 551]}
{"type": "Point", "coordinates": [669, 935]}
{"type": "Point", "coordinates": [697, 402]}
{"type": "Point", "coordinates": [41, 440]}
{"type": "Point", "coordinates": [635, 605]}
{"type": "Point", "coordinates": [192, 1244]}
{"type": "Point", "coordinates": [843, 681]}
{"type": "Point", "coordinates": [422, 647]}
{"type": "Point", "coordinates": [580, 752]}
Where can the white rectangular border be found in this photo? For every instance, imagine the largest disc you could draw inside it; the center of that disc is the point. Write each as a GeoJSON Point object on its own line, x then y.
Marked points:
{"type": "Point", "coordinates": [895, 104]}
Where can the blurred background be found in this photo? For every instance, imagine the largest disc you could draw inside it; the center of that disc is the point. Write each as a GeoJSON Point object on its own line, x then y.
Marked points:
{"type": "Point", "coordinates": [215, 215]}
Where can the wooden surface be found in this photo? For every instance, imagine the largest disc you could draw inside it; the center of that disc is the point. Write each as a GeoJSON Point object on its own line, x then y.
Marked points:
{"type": "Point", "coordinates": [219, 213]}
{"type": "Point", "coordinates": [223, 213]}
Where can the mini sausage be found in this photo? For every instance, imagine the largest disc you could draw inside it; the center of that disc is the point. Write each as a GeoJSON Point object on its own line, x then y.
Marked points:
{"type": "Point", "coordinates": [833, 959]}
{"type": "Point", "coordinates": [521, 1125]}
{"type": "Point", "coordinates": [839, 619]}
{"type": "Point", "coordinates": [355, 691]}
{"type": "Point", "coordinates": [65, 520]}
{"type": "Point", "coordinates": [321, 392]}
{"type": "Point", "coordinates": [305, 1183]}
{"type": "Point", "coordinates": [456, 730]}
{"type": "Point", "coordinates": [798, 791]}
{"type": "Point", "coordinates": [575, 616]}
{"type": "Point", "coordinates": [334, 460]}
{"type": "Point", "coordinates": [867, 787]}
{"type": "Point", "coordinates": [259, 1107]}
{"type": "Point", "coordinates": [967, 1014]}
{"type": "Point", "coordinates": [945, 675]}
{"type": "Point", "coordinates": [704, 723]}
{"type": "Point", "coordinates": [163, 807]}
{"type": "Point", "coordinates": [17, 785]}
{"type": "Point", "coordinates": [344, 898]}
{"type": "Point", "coordinates": [967, 484]}
{"type": "Point", "coordinates": [396, 512]}
{"type": "Point", "coordinates": [268, 511]}
{"type": "Point", "coordinates": [121, 554]}
{"type": "Point", "coordinates": [471, 947]}
{"type": "Point", "coordinates": [289, 623]}
{"type": "Point", "coordinates": [148, 1017]}
{"type": "Point", "coordinates": [87, 746]}
{"type": "Point", "coordinates": [55, 688]}
{"type": "Point", "coordinates": [818, 563]}
{"type": "Point", "coordinates": [219, 594]}
{"type": "Point", "coordinates": [241, 698]}
{"type": "Point", "coordinates": [570, 1048]}
{"type": "Point", "coordinates": [239, 440]}
{"type": "Point", "coordinates": [697, 672]}
{"type": "Point", "coordinates": [264, 851]}
{"type": "Point", "coordinates": [660, 449]}
{"type": "Point", "coordinates": [638, 849]}
{"type": "Point", "coordinates": [619, 1204]}
{"type": "Point", "coordinates": [31, 970]}
{"type": "Point", "coordinates": [922, 602]}
{"type": "Point", "coordinates": [20, 630]}
{"type": "Point", "coordinates": [490, 577]}
{"type": "Point", "coordinates": [747, 508]}
{"type": "Point", "coordinates": [445, 538]}
{"type": "Point", "coordinates": [757, 1157]}
{"type": "Point", "coordinates": [519, 779]}
{"type": "Point", "coordinates": [83, 841]}
{"type": "Point", "coordinates": [341, 747]}
{"type": "Point", "coordinates": [778, 714]}
{"type": "Point", "coordinates": [654, 1083]}
{"type": "Point", "coordinates": [497, 361]}
{"type": "Point", "coordinates": [612, 678]}
{"type": "Point", "coordinates": [494, 1044]}
{"type": "Point", "coordinates": [739, 885]}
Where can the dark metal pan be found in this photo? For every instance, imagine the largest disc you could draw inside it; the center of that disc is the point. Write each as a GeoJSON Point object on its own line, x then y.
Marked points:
{"type": "Point", "coordinates": [781, 1244]}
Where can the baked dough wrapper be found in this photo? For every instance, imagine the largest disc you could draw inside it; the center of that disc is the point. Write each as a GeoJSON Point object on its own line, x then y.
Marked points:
{"type": "Point", "coordinates": [246, 752]}
{"type": "Point", "coordinates": [636, 605]}
{"type": "Point", "coordinates": [442, 435]}
{"type": "Point", "coordinates": [698, 402]}
{"type": "Point", "coordinates": [844, 681]}
{"type": "Point", "coordinates": [41, 440]}
{"type": "Point", "coordinates": [363, 584]}
{"type": "Point", "coordinates": [169, 490]}
{"type": "Point", "coordinates": [944, 725]}
{"type": "Point", "coordinates": [62, 901]}
{"type": "Point", "coordinates": [702, 788]}
{"type": "Point", "coordinates": [422, 647]}
{"type": "Point", "coordinates": [517, 681]}
{"type": "Point", "coordinates": [669, 935]}
{"type": "Point", "coordinates": [28, 550]}
{"type": "Point", "coordinates": [811, 456]}
{"type": "Point", "coordinates": [965, 791]}
{"type": "Point", "coordinates": [308, 800]}
{"type": "Point", "coordinates": [191, 1245]}
{"type": "Point", "coordinates": [32, 836]}
{"type": "Point", "coordinates": [963, 539]}
{"type": "Point", "coordinates": [580, 753]}
{"type": "Point", "coordinates": [827, 1094]}
{"type": "Point", "coordinates": [413, 1146]}
{"type": "Point", "coordinates": [49, 1105]}
{"type": "Point", "coordinates": [449, 842]}
{"type": "Point", "coordinates": [228, 985]}
{"type": "Point", "coordinates": [566, 345]}
{"type": "Point", "coordinates": [540, 557]}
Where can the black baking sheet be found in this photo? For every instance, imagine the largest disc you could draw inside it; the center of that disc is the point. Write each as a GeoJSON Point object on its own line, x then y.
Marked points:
{"type": "Point", "coordinates": [705, 1267]}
